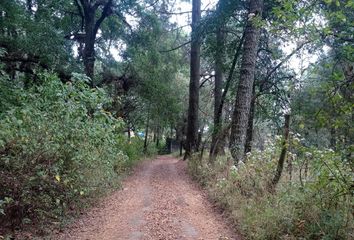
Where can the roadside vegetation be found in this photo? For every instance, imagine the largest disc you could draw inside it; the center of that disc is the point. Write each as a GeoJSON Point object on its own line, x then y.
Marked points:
{"type": "Point", "coordinates": [256, 95]}
{"type": "Point", "coordinates": [60, 147]}
{"type": "Point", "coordinates": [313, 200]}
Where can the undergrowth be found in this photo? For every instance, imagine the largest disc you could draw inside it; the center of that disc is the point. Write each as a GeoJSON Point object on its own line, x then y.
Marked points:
{"type": "Point", "coordinates": [58, 149]}
{"type": "Point", "coordinates": [314, 199]}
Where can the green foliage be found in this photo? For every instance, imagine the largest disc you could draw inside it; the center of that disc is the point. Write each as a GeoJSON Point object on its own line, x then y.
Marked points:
{"type": "Point", "coordinates": [58, 145]}
{"type": "Point", "coordinates": [159, 73]}
{"type": "Point", "coordinates": [313, 200]}
{"type": "Point", "coordinates": [63, 143]}
{"type": "Point", "coordinates": [326, 118]}
{"type": "Point", "coordinates": [133, 149]}
{"type": "Point", "coordinates": [27, 31]}
{"type": "Point", "coordinates": [151, 150]}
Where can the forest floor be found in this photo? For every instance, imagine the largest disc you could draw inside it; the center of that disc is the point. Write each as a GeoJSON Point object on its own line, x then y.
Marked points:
{"type": "Point", "coordinates": [158, 201]}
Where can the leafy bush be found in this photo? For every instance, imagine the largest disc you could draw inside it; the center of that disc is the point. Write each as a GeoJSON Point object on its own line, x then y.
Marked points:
{"type": "Point", "coordinates": [57, 145]}
{"type": "Point", "coordinates": [313, 200]}
{"type": "Point", "coordinates": [133, 150]}
{"type": "Point", "coordinates": [151, 150]}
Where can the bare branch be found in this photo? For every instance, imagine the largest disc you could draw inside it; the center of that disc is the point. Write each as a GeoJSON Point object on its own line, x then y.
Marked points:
{"type": "Point", "coordinates": [205, 80]}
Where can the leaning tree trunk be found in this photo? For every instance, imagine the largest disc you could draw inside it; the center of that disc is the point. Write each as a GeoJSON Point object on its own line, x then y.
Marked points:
{"type": "Point", "coordinates": [216, 144]}
{"type": "Point", "coordinates": [244, 91]}
{"type": "Point", "coordinates": [284, 149]}
{"type": "Point", "coordinates": [192, 128]}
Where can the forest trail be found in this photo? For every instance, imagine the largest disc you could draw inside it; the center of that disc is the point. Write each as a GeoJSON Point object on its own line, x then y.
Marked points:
{"type": "Point", "coordinates": [158, 201]}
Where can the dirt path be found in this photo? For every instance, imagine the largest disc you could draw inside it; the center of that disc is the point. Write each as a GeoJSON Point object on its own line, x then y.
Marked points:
{"type": "Point", "coordinates": [158, 201]}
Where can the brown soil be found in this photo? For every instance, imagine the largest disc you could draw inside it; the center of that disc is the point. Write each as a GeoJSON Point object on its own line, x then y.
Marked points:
{"type": "Point", "coordinates": [158, 201]}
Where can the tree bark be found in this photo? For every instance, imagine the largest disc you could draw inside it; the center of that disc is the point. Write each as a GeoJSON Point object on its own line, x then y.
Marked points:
{"type": "Point", "coordinates": [231, 73]}
{"type": "Point", "coordinates": [147, 131]}
{"type": "Point", "coordinates": [244, 91]}
{"type": "Point", "coordinates": [284, 149]}
{"type": "Point", "coordinates": [249, 134]}
{"type": "Point", "coordinates": [200, 138]}
{"type": "Point", "coordinates": [221, 139]}
{"type": "Point", "coordinates": [154, 135]}
{"type": "Point", "coordinates": [157, 137]}
{"type": "Point", "coordinates": [88, 55]}
{"type": "Point", "coordinates": [215, 144]}
{"type": "Point", "coordinates": [192, 128]}
{"type": "Point", "coordinates": [181, 148]}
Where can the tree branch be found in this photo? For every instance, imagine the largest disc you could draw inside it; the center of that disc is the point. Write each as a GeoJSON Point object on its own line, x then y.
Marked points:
{"type": "Point", "coordinates": [205, 80]}
{"type": "Point", "coordinates": [232, 69]}
{"type": "Point", "coordinates": [122, 18]}
{"type": "Point", "coordinates": [99, 3]}
{"type": "Point", "coordinates": [31, 59]}
{"type": "Point", "coordinates": [284, 61]}
{"type": "Point", "coordinates": [178, 13]}
{"type": "Point", "coordinates": [105, 13]}
{"type": "Point", "coordinates": [81, 13]}
{"type": "Point", "coordinates": [84, 4]}
{"type": "Point", "coordinates": [175, 48]}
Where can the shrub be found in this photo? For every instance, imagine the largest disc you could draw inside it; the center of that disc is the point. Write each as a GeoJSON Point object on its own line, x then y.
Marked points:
{"type": "Point", "coordinates": [133, 149]}
{"type": "Point", "coordinates": [57, 145]}
{"type": "Point", "coordinates": [315, 205]}
{"type": "Point", "coordinates": [151, 150]}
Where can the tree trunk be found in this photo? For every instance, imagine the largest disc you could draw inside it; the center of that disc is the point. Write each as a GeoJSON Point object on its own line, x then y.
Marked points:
{"type": "Point", "coordinates": [147, 132]}
{"type": "Point", "coordinates": [200, 138]}
{"type": "Point", "coordinates": [215, 143]}
{"type": "Point", "coordinates": [157, 137]}
{"type": "Point", "coordinates": [244, 91]}
{"type": "Point", "coordinates": [290, 168]}
{"type": "Point", "coordinates": [283, 152]}
{"type": "Point", "coordinates": [29, 6]}
{"type": "Point", "coordinates": [181, 148]}
{"type": "Point", "coordinates": [154, 136]}
{"type": "Point", "coordinates": [249, 136]}
{"type": "Point", "coordinates": [129, 133]}
{"type": "Point", "coordinates": [89, 47]}
{"type": "Point", "coordinates": [88, 11]}
{"type": "Point", "coordinates": [231, 73]}
{"type": "Point", "coordinates": [227, 85]}
{"type": "Point", "coordinates": [192, 128]}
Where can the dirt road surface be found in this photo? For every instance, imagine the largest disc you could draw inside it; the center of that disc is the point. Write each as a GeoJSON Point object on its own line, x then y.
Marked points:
{"type": "Point", "coordinates": [157, 202]}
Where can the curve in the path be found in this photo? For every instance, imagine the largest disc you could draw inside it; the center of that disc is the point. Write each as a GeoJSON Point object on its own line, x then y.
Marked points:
{"type": "Point", "coordinates": [158, 201]}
